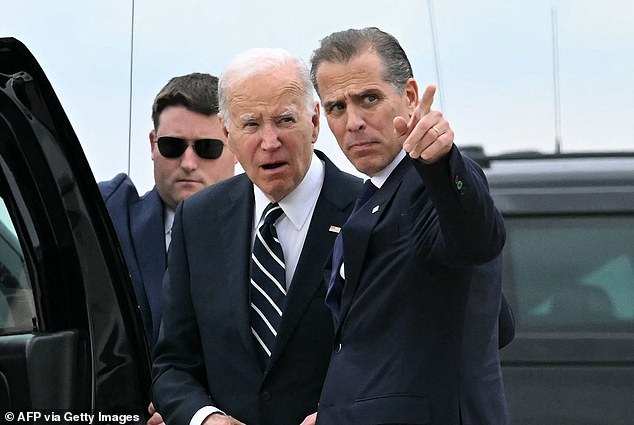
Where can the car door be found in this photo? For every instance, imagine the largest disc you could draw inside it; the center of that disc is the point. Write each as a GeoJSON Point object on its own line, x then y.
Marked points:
{"type": "Point", "coordinates": [71, 337]}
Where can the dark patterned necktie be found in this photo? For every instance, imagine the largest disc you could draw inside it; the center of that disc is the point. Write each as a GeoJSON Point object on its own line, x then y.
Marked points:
{"type": "Point", "coordinates": [336, 283]}
{"type": "Point", "coordinates": [268, 285]}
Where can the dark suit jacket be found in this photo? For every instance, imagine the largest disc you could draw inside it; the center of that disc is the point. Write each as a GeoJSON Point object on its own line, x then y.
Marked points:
{"type": "Point", "coordinates": [138, 221]}
{"type": "Point", "coordinates": [205, 353]}
{"type": "Point", "coordinates": [418, 333]}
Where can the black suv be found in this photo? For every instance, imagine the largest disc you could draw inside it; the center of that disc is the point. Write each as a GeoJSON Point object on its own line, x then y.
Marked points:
{"type": "Point", "coordinates": [569, 276]}
{"type": "Point", "coordinates": [70, 334]}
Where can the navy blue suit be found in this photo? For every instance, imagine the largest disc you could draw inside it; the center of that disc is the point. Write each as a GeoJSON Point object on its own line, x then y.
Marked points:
{"type": "Point", "coordinates": [205, 353]}
{"type": "Point", "coordinates": [138, 221]}
{"type": "Point", "coordinates": [417, 337]}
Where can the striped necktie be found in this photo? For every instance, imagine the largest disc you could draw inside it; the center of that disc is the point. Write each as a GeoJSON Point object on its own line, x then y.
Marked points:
{"type": "Point", "coordinates": [268, 284]}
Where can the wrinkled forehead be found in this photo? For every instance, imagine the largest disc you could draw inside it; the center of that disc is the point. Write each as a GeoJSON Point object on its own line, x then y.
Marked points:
{"type": "Point", "coordinates": [355, 77]}
{"type": "Point", "coordinates": [266, 96]}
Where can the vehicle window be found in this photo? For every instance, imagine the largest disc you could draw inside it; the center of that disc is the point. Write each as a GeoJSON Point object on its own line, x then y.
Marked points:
{"type": "Point", "coordinates": [16, 296]}
{"type": "Point", "coordinates": [571, 273]}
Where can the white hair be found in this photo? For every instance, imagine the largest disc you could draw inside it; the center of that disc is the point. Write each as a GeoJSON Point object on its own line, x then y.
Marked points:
{"type": "Point", "coordinates": [255, 62]}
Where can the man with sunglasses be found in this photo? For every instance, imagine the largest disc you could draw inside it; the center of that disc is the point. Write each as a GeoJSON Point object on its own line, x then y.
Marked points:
{"type": "Point", "coordinates": [246, 335]}
{"type": "Point", "coordinates": [188, 149]}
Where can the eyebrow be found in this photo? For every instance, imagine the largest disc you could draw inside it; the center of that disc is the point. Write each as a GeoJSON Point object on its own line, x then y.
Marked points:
{"type": "Point", "coordinates": [330, 103]}
{"type": "Point", "coordinates": [247, 117]}
{"type": "Point", "coordinates": [291, 112]}
{"type": "Point", "coordinates": [355, 96]}
{"type": "Point", "coordinates": [364, 93]}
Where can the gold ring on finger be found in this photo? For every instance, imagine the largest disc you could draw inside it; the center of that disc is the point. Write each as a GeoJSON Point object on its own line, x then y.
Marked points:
{"type": "Point", "coordinates": [436, 130]}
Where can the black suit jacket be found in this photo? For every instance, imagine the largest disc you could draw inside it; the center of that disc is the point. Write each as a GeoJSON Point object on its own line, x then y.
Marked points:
{"type": "Point", "coordinates": [205, 354]}
{"type": "Point", "coordinates": [418, 333]}
{"type": "Point", "coordinates": [138, 221]}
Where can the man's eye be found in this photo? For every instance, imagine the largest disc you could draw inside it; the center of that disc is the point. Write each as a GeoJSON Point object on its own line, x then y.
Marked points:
{"type": "Point", "coordinates": [371, 98]}
{"type": "Point", "coordinates": [336, 108]}
{"type": "Point", "coordinates": [286, 120]}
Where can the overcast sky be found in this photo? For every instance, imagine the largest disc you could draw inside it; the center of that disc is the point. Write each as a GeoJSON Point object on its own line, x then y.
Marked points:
{"type": "Point", "coordinates": [496, 63]}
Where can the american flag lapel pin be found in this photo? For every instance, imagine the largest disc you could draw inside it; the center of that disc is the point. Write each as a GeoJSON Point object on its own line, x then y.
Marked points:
{"type": "Point", "coordinates": [334, 229]}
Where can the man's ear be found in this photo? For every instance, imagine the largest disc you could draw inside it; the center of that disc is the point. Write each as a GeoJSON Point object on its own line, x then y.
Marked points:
{"type": "Point", "coordinates": [225, 132]}
{"type": "Point", "coordinates": [223, 124]}
{"type": "Point", "coordinates": [152, 140]}
{"type": "Point", "coordinates": [411, 94]}
{"type": "Point", "coordinates": [315, 119]}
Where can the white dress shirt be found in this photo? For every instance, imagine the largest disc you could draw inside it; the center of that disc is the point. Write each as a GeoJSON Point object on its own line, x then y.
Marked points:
{"type": "Point", "coordinates": [168, 219]}
{"type": "Point", "coordinates": [380, 178]}
{"type": "Point", "coordinates": [298, 206]}
{"type": "Point", "coordinates": [291, 227]}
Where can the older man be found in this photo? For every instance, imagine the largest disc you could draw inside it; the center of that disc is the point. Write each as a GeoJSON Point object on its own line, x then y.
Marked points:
{"type": "Point", "coordinates": [246, 336]}
{"type": "Point", "coordinates": [415, 281]}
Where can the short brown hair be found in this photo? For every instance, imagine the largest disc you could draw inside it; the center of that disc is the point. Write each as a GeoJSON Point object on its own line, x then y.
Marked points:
{"type": "Point", "coordinates": [197, 92]}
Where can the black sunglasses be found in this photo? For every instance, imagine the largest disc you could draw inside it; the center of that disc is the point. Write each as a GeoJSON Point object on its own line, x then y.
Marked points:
{"type": "Point", "coordinates": [173, 147]}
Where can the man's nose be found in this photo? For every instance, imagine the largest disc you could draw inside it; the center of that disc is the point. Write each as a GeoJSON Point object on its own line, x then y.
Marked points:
{"type": "Point", "coordinates": [189, 159]}
{"type": "Point", "coordinates": [355, 121]}
{"type": "Point", "coordinates": [270, 139]}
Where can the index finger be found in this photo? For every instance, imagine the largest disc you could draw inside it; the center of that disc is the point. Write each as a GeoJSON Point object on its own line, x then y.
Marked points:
{"type": "Point", "coordinates": [427, 99]}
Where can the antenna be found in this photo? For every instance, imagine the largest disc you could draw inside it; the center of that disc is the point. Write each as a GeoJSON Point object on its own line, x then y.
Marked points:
{"type": "Point", "coordinates": [556, 81]}
{"type": "Point", "coordinates": [434, 40]}
{"type": "Point", "coordinates": [130, 94]}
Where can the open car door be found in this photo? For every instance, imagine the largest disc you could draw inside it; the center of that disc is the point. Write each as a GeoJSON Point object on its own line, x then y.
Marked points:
{"type": "Point", "coordinates": [71, 337]}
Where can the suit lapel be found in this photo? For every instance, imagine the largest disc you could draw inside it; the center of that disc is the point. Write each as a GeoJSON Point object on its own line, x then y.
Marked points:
{"type": "Point", "coordinates": [357, 232]}
{"type": "Point", "coordinates": [308, 276]}
{"type": "Point", "coordinates": [148, 238]}
{"type": "Point", "coordinates": [332, 208]}
{"type": "Point", "coordinates": [237, 219]}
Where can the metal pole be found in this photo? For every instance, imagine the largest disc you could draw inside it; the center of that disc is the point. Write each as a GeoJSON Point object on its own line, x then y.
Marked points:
{"type": "Point", "coordinates": [440, 93]}
{"type": "Point", "coordinates": [130, 83]}
{"type": "Point", "coordinates": [556, 81]}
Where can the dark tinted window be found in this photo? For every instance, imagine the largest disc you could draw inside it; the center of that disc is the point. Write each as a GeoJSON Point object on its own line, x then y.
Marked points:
{"type": "Point", "coordinates": [16, 296]}
{"type": "Point", "coordinates": [571, 273]}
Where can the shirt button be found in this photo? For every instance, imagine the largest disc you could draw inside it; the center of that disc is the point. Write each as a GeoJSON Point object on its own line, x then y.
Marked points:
{"type": "Point", "coordinates": [265, 396]}
{"type": "Point", "coordinates": [338, 348]}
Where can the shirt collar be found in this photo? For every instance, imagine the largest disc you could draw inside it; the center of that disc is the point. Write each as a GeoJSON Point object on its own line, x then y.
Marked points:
{"type": "Point", "coordinates": [379, 178]}
{"type": "Point", "coordinates": [298, 204]}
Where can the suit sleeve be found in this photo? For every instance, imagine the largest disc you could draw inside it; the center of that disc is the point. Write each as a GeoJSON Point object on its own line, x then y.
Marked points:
{"type": "Point", "coordinates": [179, 378]}
{"type": "Point", "coordinates": [119, 183]}
{"type": "Point", "coordinates": [471, 227]}
{"type": "Point", "coordinates": [506, 324]}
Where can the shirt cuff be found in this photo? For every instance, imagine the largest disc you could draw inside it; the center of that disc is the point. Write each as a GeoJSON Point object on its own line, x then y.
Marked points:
{"type": "Point", "coordinates": [202, 413]}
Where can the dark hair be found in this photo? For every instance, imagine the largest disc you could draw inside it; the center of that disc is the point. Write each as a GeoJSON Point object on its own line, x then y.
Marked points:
{"type": "Point", "coordinates": [342, 46]}
{"type": "Point", "coordinates": [197, 92]}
